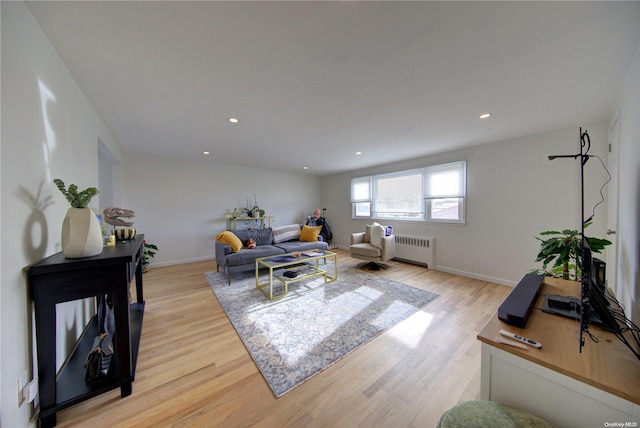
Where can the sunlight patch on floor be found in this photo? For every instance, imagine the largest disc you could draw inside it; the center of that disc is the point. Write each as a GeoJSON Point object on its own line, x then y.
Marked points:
{"type": "Point", "coordinates": [413, 329]}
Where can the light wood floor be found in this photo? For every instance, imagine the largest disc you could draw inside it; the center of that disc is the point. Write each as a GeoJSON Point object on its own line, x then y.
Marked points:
{"type": "Point", "coordinates": [194, 371]}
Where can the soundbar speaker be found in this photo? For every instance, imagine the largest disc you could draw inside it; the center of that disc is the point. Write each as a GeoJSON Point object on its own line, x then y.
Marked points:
{"type": "Point", "coordinates": [516, 308]}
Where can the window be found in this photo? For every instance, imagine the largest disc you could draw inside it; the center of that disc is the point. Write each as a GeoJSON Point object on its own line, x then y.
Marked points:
{"type": "Point", "coordinates": [445, 190]}
{"type": "Point", "coordinates": [361, 197]}
{"type": "Point", "coordinates": [398, 195]}
{"type": "Point", "coordinates": [436, 193]}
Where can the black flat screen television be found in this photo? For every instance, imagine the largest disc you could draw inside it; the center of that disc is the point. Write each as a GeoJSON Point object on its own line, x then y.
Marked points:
{"type": "Point", "coordinates": [593, 306]}
{"type": "Point", "coordinates": [596, 308]}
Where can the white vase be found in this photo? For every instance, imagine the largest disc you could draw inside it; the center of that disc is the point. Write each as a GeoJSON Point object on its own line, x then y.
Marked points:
{"type": "Point", "coordinates": [81, 235]}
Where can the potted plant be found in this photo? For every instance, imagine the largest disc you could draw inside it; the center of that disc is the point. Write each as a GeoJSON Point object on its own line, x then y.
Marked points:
{"type": "Point", "coordinates": [251, 211]}
{"type": "Point", "coordinates": [81, 233]}
{"type": "Point", "coordinates": [148, 252]}
{"type": "Point", "coordinates": [255, 210]}
{"type": "Point", "coordinates": [563, 248]}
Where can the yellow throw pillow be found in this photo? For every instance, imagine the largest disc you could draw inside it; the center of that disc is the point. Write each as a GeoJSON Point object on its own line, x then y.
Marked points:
{"type": "Point", "coordinates": [310, 233]}
{"type": "Point", "coordinates": [230, 239]}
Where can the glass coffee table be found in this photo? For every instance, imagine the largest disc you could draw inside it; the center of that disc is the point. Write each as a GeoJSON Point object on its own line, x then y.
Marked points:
{"type": "Point", "coordinates": [287, 268]}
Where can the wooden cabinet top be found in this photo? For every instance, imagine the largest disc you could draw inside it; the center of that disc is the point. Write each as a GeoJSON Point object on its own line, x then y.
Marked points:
{"type": "Point", "coordinates": [608, 365]}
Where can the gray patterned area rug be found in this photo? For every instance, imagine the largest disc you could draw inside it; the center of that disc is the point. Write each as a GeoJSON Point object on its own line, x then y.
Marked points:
{"type": "Point", "coordinates": [293, 338]}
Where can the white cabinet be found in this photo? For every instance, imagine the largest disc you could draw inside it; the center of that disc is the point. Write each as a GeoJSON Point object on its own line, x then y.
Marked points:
{"type": "Point", "coordinates": [597, 387]}
{"type": "Point", "coordinates": [559, 399]}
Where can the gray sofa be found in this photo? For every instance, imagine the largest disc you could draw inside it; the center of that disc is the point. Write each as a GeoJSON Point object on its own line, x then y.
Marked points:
{"type": "Point", "coordinates": [245, 259]}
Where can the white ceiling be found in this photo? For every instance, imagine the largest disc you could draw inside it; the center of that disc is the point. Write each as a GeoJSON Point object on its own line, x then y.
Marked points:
{"type": "Point", "coordinates": [314, 82]}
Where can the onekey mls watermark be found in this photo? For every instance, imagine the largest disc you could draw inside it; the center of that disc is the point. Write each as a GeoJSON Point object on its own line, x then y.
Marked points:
{"type": "Point", "coordinates": [621, 424]}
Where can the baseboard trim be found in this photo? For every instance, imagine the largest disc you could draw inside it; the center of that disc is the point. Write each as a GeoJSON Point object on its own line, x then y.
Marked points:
{"type": "Point", "coordinates": [473, 275]}
{"type": "Point", "coordinates": [180, 262]}
{"type": "Point", "coordinates": [441, 268]}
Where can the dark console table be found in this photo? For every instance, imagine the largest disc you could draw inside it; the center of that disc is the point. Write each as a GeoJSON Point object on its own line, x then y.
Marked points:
{"type": "Point", "coordinates": [57, 279]}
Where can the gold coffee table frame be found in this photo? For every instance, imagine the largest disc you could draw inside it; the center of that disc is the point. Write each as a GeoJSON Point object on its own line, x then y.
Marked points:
{"type": "Point", "coordinates": [286, 260]}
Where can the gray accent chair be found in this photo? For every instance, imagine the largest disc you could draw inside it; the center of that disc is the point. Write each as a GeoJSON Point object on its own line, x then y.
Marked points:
{"type": "Point", "coordinates": [361, 248]}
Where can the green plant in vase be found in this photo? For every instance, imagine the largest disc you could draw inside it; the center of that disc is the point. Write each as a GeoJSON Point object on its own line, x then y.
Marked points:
{"type": "Point", "coordinates": [75, 198]}
{"type": "Point", "coordinates": [81, 234]}
{"type": "Point", "coordinates": [255, 210]}
{"type": "Point", "coordinates": [563, 248]}
{"type": "Point", "coordinates": [148, 252]}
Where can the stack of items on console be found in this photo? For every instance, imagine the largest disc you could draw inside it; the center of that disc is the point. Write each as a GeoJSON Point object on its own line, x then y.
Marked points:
{"type": "Point", "coordinates": [234, 252]}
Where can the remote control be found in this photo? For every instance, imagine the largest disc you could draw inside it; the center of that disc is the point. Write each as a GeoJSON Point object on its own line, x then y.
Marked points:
{"type": "Point", "coordinates": [521, 339]}
{"type": "Point", "coordinates": [511, 343]}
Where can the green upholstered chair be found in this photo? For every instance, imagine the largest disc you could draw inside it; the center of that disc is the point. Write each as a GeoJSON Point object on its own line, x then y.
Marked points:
{"type": "Point", "coordinates": [482, 414]}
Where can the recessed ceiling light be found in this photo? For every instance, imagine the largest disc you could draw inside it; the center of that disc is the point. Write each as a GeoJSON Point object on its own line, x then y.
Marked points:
{"type": "Point", "coordinates": [206, 153]}
{"type": "Point", "coordinates": [485, 116]}
{"type": "Point", "coordinates": [233, 120]}
{"type": "Point", "coordinates": [305, 167]}
{"type": "Point", "coordinates": [358, 153]}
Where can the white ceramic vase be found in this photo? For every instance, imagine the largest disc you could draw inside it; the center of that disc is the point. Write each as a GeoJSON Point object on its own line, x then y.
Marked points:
{"type": "Point", "coordinates": [81, 235]}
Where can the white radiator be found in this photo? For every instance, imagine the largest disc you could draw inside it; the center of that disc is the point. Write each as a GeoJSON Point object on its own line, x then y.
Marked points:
{"type": "Point", "coordinates": [414, 249]}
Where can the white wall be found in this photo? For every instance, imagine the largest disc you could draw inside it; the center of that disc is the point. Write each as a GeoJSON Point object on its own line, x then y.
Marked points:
{"type": "Point", "coordinates": [180, 205]}
{"type": "Point", "coordinates": [628, 236]}
{"type": "Point", "coordinates": [513, 193]}
{"type": "Point", "coordinates": [49, 130]}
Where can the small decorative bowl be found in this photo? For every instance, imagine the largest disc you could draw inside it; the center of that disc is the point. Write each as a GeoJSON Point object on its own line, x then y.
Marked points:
{"type": "Point", "coordinates": [125, 234]}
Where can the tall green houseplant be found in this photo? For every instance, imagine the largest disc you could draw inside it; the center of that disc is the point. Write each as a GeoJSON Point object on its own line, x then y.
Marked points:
{"type": "Point", "coordinates": [563, 249]}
